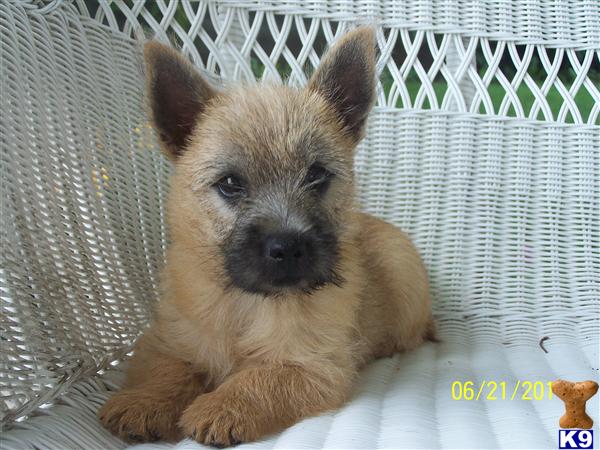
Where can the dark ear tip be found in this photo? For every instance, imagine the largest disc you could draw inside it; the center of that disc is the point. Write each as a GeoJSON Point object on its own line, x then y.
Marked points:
{"type": "Point", "coordinates": [364, 36]}
{"type": "Point", "coordinates": [155, 52]}
{"type": "Point", "coordinates": [152, 50]}
{"type": "Point", "coordinates": [365, 33]}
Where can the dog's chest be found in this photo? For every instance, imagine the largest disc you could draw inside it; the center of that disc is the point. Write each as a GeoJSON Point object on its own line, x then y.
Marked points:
{"type": "Point", "coordinates": [266, 333]}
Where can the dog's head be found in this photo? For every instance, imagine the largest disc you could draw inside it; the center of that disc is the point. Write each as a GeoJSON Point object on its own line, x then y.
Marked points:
{"type": "Point", "coordinates": [264, 174]}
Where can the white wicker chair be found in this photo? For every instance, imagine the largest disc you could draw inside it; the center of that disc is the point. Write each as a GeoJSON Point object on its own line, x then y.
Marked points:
{"type": "Point", "coordinates": [501, 194]}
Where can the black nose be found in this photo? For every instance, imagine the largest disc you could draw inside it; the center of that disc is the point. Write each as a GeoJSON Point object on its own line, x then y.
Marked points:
{"type": "Point", "coordinates": [286, 248]}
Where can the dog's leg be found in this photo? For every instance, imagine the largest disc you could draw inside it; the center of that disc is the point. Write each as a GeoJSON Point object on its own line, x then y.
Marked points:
{"type": "Point", "coordinates": [258, 401]}
{"type": "Point", "coordinates": [157, 390]}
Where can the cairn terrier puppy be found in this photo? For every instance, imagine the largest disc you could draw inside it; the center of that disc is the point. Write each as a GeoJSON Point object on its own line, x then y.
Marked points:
{"type": "Point", "coordinates": [276, 289]}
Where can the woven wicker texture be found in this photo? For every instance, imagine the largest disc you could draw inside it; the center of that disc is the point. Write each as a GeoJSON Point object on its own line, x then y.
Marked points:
{"type": "Point", "coordinates": [423, 41]}
{"type": "Point", "coordinates": [82, 233]}
{"type": "Point", "coordinates": [567, 23]}
{"type": "Point", "coordinates": [502, 197]}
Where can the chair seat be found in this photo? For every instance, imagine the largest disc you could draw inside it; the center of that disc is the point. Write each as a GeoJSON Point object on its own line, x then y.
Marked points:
{"type": "Point", "coordinates": [400, 402]}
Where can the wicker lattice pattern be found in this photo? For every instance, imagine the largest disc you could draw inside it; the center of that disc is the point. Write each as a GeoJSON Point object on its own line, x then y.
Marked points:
{"type": "Point", "coordinates": [501, 194]}
{"type": "Point", "coordinates": [570, 23]}
{"type": "Point", "coordinates": [453, 55]}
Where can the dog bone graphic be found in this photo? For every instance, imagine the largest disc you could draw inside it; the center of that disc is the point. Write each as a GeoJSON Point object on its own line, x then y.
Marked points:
{"type": "Point", "coordinates": [575, 395]}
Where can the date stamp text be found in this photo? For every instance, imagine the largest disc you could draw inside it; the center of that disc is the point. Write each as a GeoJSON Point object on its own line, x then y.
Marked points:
{"type": "Point", "coordinates": [501, 390]}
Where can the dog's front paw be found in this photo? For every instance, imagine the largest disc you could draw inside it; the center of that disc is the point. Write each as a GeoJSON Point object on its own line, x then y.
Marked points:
{"type": "Point", "coordinates": [214, 419]}
{"type": "Point", "coordinates": [138, 416]}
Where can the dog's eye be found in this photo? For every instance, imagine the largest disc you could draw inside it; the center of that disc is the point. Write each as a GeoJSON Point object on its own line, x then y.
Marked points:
{"type": "Point", "coordinates": [230, 187]}
{"type": "Point", "coordinates": [318, 177]}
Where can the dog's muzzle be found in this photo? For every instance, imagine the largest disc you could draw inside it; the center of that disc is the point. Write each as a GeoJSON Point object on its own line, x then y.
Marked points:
{"type": "Point", "coordinates": [269, 262]}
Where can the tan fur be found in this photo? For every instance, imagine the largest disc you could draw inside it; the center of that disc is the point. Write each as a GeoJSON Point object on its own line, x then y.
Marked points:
{"type": "Point", "coordinates": [244, 365]}
{"type": "Point", "coordinates": [157, 390]}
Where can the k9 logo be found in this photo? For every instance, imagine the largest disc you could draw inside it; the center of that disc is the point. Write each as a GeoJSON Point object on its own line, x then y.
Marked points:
{"type": "Point", "coordinates": [575, 439]}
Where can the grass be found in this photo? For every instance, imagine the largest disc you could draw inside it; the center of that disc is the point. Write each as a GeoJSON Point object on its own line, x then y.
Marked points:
{"type": "Point", "coordinates": [583, 99]}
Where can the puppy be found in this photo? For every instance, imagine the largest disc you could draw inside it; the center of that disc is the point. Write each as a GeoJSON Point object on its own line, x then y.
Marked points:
{"type": "Point", "coordinates": [276, 289]}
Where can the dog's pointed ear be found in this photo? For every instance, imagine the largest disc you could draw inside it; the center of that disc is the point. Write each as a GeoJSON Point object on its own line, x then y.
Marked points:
{"type": "Point", "coordinates": [177, 94]}
{"type": "Point", "coordinates": [346, 78]}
